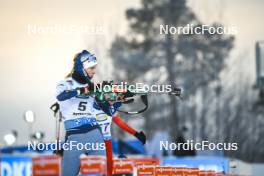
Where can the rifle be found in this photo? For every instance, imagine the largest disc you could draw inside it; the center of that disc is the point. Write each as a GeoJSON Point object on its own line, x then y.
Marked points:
{"type": "Point", "coordinates": [122, 92]}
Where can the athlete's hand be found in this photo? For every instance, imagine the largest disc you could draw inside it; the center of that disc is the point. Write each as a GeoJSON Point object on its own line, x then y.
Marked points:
{"type": "Point", "coordinates": [121, 98]}
{"type": "Point", "coordinates": [83, 90]}
{"type": "Point", "coordinates": [141, 137]}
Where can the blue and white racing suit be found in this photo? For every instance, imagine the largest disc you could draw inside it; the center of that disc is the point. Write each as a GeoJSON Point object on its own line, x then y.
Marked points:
{"type": "Point", "coordinates": [83, 134]}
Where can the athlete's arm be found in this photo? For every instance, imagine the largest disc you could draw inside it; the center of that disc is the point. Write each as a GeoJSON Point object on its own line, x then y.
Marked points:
{"type": "Point", "coordinates": [64, 94]}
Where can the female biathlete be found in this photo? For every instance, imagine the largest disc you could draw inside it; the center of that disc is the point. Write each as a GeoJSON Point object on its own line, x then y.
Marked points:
{"type": "Point", "coordinates": [77, 110]}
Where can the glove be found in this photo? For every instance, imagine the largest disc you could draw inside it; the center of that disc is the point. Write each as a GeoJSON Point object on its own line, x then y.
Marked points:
{"type": "Point", "coordinates": [87, 89]}
{"type": "Point", "coordinates": [141, 137]}
{"type": "Point", "coordinates": [83, 90]}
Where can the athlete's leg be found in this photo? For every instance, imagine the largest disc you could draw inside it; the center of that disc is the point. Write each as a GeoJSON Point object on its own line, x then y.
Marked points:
{"type": "Point", "coordinates": [71, 158]}
{"type": "Point", "coordinates": [95, 140]}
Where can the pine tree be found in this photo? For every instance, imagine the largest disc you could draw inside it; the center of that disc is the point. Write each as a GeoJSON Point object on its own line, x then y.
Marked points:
{"type": "Point", "coordinates": [189, 60]}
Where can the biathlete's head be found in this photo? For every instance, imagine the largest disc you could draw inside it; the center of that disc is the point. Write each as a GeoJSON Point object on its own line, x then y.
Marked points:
{"type": "Point", "coordinates": [84, 66]}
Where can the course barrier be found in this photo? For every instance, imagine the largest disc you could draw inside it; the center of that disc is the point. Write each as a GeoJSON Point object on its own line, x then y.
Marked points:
{"type": "Point", "coordinates": [96, 165]}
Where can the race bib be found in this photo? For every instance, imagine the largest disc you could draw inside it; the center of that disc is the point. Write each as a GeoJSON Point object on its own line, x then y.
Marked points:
{"type": "Point", "coordinates": [105, 124]}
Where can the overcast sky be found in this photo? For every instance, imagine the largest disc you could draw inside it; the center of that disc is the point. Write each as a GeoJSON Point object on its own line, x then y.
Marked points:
{"type": "Point", "coordinates": [32, 64]}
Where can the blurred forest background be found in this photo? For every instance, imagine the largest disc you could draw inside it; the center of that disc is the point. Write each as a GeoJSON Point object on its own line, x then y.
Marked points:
{"type": "Point", "coordinates": [220, 104]}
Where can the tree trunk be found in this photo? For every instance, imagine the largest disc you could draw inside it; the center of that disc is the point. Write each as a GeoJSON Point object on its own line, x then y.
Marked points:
{"type": "Point", "coordinates": [173, 120]}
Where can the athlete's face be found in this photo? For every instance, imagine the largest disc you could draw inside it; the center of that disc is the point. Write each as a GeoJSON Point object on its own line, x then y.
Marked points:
{"type": "Point", "coordinates": [91, 71]}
